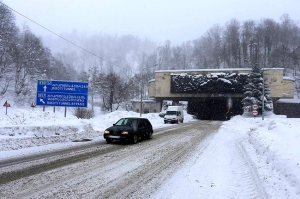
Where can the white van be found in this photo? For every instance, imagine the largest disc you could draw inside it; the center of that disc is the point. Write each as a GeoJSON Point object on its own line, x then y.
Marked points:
{"type": "Point", "coordinates": [174, 114]}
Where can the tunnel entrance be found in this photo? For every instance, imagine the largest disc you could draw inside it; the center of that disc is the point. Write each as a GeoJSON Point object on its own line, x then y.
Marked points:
{"type": "Point", "coordinates": [215, 108]}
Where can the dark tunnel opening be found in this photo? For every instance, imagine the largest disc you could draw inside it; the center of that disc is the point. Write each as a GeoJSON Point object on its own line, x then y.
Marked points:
{"type": "Point", "coordinates": [215, 108]}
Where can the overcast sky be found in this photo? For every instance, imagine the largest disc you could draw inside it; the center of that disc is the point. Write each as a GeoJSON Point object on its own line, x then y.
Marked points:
{"type": "Point", "coordinates": [158, 20]}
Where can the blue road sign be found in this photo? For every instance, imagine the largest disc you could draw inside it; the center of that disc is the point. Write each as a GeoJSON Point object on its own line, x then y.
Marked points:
{"type": "Point", "coordinates": [62, 93]}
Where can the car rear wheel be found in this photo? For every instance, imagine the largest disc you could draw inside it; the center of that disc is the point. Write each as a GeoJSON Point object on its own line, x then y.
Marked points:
{"type": "Point", "coordinates": [108, 140]}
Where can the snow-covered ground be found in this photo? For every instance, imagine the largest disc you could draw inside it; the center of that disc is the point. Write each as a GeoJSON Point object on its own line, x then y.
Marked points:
{"type": "Point", "coordinates": [271, 149]}
{"type": "Point", "coordinates": [270, 146]}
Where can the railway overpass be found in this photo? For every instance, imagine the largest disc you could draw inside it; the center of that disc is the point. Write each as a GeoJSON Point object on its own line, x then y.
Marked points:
{"type": "Point", "coordinates": [218, 100]}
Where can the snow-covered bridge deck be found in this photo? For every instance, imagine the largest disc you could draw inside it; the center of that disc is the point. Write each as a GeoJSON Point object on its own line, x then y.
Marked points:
{"type": "Point", "coordinates": [163, 84]}
{"type": "Point", "coordinates": [210, 90]}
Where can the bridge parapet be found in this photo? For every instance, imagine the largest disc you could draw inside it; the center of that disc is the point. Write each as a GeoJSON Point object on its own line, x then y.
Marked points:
{"type": "Point", "coordinates": [161, 87]}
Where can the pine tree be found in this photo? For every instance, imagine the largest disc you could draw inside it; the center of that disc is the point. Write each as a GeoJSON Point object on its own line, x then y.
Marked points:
{"type": "Point", "coordinates": [256, 91]}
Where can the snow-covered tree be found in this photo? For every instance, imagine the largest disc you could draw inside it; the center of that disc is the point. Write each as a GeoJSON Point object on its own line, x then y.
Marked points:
{"type": "Point", "coordinates": [257, 92]}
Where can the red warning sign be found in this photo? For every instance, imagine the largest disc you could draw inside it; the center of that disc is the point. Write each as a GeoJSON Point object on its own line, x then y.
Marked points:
{"type": "Point", "coordinates": [6, 104]}
{"type": "Point", "coordinates": [255, 112]}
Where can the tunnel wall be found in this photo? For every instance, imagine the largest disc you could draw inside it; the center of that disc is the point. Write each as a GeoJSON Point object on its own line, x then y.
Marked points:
{"type": "Point", "coordinates": [215, 108]}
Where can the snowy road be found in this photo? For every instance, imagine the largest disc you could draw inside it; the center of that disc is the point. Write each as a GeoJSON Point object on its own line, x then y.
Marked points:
{"type": "Point", "coordinates": [148, 169]}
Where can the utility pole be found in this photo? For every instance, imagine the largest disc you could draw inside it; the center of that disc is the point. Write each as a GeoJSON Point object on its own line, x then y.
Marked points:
{"type": "Point", "coordinates": [142, 89]}
{"type": "Point", "coordinates": [141, 106]}
{"type": "Point", "coordinates": [263, 100]}
{"type": "Point", "coordinates": [92, 99]}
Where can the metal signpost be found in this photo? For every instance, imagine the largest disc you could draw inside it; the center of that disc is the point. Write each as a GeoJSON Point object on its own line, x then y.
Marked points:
{"type": "Point", "coordinates": [62, 93]}
{"type": "Point", "coordinates": [6, 105]}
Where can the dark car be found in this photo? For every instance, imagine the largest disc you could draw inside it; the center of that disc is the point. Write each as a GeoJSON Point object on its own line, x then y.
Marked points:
{"type": "Point", "coordinates": [162, 114]}
{"type": "Point", "coordinates": [130, 129]}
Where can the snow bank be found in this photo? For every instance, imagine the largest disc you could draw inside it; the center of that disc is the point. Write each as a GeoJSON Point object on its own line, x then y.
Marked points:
{"type": "Point", "coordinates": [21, 137]}
{"type": "Point", "coordinates": [23, 128]}
{"type": "Point", "coordinates": [273, 146]}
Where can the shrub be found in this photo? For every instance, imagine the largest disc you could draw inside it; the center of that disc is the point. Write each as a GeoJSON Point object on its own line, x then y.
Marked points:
{"type": "Point", "coordinates": [84, 113]}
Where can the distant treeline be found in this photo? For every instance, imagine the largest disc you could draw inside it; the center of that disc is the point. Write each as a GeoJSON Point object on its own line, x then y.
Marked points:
{"type": "Point", "coordinates": [266, 43]}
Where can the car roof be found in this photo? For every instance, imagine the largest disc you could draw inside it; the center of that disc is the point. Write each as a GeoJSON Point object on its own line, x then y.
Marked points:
{"type": "Point", "coordinates": [134, 118]}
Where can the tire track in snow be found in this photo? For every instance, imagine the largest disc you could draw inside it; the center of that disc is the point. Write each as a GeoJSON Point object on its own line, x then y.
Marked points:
{"type": "Point", "coordinates": [94, 176]}
{"type": "Point", "coordinates": [253, 171]}
{"type": "Point", "coordinates": [220, 171]}
{"type": "Point", "coordinates": [146, 181]}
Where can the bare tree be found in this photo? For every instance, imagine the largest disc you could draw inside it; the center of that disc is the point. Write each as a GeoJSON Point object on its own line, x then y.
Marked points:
{"type": "Point", "coordinates": [247, 38]}
{"type": "Point", "coordinates": [113, 90]}
{"type": "Point", "coordinates": [232, 43]}
{"type": "Point", "coordinates": [187, 55]}
{"type": "Point", "coordinates": [8, 39]}
{"type": "Point", "coordinates": [27, 55]}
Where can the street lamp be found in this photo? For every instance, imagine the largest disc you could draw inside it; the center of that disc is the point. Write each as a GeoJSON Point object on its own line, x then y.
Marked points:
{"type": "Point", "coordinates": [141, 102]}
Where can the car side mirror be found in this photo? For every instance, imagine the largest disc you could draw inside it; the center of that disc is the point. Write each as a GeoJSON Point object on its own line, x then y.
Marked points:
{"type": "Point", "coordinates": [114, 124]}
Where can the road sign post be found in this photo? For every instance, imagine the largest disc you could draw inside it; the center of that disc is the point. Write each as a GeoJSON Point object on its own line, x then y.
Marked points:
{"type": "Point", "coordinates": [6, 105]}
{"type": "Point", "coordinates": [254, 110]}
{"type": "Point", "coordinates": [61, 93]}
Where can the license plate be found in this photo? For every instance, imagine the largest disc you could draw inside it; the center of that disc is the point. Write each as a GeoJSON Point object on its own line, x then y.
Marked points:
{"type": "Point", "coordinates": [114, 136]}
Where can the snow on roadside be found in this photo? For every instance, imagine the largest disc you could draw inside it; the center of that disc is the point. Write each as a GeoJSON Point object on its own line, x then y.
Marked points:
{"type": "Point", "coordinates": [215, 170]}
{"type": "Point", "coordinates": [272, 145]}
{"type": "Point", "coordinates": [267, 151]}
{"type": "Point", "coordinates": [23, 128]}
